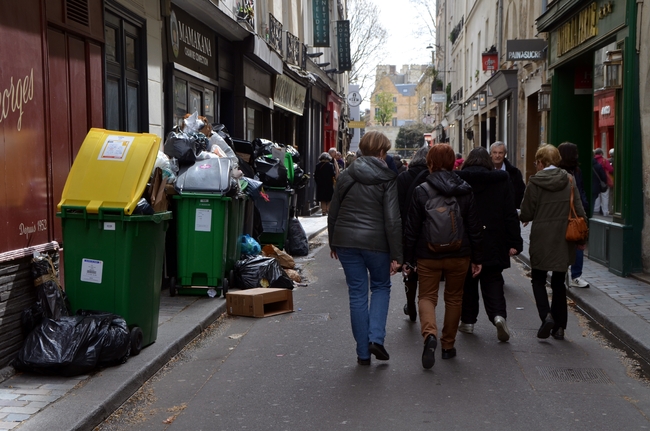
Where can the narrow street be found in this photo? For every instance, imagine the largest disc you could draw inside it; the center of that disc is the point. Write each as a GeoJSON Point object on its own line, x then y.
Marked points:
{"type": "Point", "coordinates": [298, 371]}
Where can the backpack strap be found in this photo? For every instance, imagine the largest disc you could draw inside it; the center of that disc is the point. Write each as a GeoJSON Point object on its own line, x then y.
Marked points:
{"type": "Point", "coordinates": [416, 182]}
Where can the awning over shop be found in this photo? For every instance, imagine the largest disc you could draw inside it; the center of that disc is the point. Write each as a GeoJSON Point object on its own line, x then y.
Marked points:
{"type": "Point", "coordinates": [502, 82]}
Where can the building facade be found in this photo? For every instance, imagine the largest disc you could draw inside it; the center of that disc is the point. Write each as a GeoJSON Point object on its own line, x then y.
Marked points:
{"type": "Point", "coordinates": [140, 66]}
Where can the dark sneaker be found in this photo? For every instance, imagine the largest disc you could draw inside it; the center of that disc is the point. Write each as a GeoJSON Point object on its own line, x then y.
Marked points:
{"type": "Point", "coordinates": [547, 326]}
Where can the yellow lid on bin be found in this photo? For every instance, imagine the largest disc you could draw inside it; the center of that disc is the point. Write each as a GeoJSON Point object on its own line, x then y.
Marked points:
{"type": "Point", "coordinates": [111, 171]}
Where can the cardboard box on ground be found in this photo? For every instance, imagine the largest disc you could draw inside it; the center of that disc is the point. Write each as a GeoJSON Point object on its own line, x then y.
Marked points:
{"type": "Point", "coordinates": [259, 302]}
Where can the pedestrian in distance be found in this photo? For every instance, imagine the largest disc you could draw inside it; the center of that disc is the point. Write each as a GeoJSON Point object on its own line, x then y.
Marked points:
{"type": "Point", "coordinates": [447, 199]}
{"type": "Point", "coordinates": [598, 184]}
{"type": "Point", "coordinates": [493, 194]}
{"type": "Point", "coordinates": [569, 153]}
{"type": "Point", "coordinates": [546, 204]}
{"type": "Point", "coordinates": [459, 161]}
{"type": "Point", "coordinates": [498, 151]}
{"type": "Point", "coordinates": [602, 201]}
{"type": "Point", "coordinates": [340, 161]}
{"type": "Point", "coordinates": [325, 177]}
{"type": "Point", "coordinates": [332, 152]}
{"type": "Point", "coordinates": [363, 217]}
{"type": "Point", "coordinates": [407, 181]}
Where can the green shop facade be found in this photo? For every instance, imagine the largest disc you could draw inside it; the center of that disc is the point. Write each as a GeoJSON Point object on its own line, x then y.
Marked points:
{"type": "Point", "coordinates": [593, 71]}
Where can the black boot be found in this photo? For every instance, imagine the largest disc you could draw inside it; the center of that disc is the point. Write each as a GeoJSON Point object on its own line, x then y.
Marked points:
{"type": "Point", "coordinates": [410, 287]}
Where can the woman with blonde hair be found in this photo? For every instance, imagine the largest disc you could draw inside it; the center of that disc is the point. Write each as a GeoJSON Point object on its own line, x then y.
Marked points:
{"type": "Point", "coordinates": [364, 229]}
{"type": "Point", "coordinates": [546, 203]}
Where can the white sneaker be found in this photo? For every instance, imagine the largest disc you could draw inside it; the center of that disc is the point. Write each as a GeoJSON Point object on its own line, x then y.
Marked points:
{"type": "Point", "coordinates": [467, 328]}
{"type": "Point", "coordinates": [503, 334]}
{"type": "Point", "coordinates": [578, 282]}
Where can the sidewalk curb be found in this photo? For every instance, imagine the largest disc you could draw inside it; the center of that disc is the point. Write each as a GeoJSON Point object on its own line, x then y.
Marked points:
{"type": "Point", "coordinates": [628, 327]}
{"type": "Point", "coordinates": [110, 388]}
{"type": "Point", "coordinates": [316, 233]}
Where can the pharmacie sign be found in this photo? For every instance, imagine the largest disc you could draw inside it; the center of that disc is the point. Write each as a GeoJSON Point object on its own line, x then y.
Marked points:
{"type": "Point", "coordinates": [191, 43]}
{"type": "Point", "coordinates": [525, 49]}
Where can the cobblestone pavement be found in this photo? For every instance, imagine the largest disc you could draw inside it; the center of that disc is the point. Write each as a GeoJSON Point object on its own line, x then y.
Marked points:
{"type": "Point", "coordinates": [629, 292]}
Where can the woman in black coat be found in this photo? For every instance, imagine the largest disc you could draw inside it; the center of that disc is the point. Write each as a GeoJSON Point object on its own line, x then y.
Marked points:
{"type": "Point", "coordinates": [494, 198]}
{"type": "Point", "coordinates": [407, 181]}
{"type": "Point", "coordinates": [324, 175]}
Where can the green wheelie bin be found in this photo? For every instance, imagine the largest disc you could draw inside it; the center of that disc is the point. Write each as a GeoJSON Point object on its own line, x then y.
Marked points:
{"type": "Point", "coordinates": [112, 258]}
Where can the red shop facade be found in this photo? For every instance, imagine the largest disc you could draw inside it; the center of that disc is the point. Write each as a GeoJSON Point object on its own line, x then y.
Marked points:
{"type": "Point", "coordinates": [51, 94]}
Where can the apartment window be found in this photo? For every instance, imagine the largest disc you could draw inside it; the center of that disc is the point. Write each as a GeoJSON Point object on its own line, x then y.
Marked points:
{"type": "Point", "coordinates": [394, 122]}
{"type": "Point", "coordinates": [126, 72]}
{"type": "Point", "coordinates": [376, 111]}
{"type": "Point", "coordinates": [395, 109]}
{"type": "Point", "coordinates": [377, 98]}
{"type": "Point", "coordinates": [395, 99]}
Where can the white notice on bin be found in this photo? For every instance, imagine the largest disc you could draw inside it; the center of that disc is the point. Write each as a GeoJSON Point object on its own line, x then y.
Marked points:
{"type": "Point", "coordinates": [203, 220]}
{"type": "Point", "coordinates": [91, 270]}
{"type": "Point", "coordinates": [115, 148]}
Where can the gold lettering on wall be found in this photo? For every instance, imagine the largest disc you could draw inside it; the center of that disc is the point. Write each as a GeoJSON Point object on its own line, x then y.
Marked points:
{"type": "Point", "coordinates": [578, 29]}
{"type": "Point", "coordinates": [15, 96]}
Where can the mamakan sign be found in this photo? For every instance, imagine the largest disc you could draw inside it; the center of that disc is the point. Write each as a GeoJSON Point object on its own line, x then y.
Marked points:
{"type": "Point", "coordinates": [191, 43]}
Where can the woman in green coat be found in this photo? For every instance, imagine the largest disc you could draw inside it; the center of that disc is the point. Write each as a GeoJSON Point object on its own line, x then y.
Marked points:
{"type": "Point", "coordinates": [546, 202]}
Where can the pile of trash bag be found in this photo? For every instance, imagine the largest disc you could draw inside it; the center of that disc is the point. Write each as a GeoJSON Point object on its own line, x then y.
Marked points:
{"type": "Point", "coordinates": [58, 343]}
{"type": "Point", "coordinates": [261, 271]}
{"type": "Point", "coordinates": [75, 345]}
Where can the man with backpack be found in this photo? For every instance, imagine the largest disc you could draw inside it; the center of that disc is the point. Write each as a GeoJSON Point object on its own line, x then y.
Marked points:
{"type": "Point", "coordinates": [443, 236]}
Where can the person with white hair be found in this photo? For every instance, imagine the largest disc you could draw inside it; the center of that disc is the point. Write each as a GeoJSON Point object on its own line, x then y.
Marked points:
{"type": "Point", "coordinates": [332, 152]}
{"type": "Point", "coordinates": [498, 152]}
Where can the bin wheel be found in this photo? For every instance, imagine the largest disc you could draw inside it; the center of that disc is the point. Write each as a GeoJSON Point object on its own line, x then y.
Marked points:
{"type": "Point", "coordinates": [136, 340]}
{"type": "Point", "coordinates": [225, 287]}
{"type": "Point", "coordinates": [173, 290]}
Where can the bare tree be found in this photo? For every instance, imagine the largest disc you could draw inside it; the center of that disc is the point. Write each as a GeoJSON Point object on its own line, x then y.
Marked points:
{"type": "Point", "coordinates": [367, 39]}
{"type": "Point", "coordinates": [426, 18]}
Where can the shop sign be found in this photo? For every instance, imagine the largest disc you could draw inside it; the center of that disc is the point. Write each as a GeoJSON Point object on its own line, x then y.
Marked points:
{"type": "Point", "coordinates": [321, 23]}
{"type": "Point", "coordinates": [490, 61]}
{"type": "Point", "coordinates": [439, 98]}
{"type": "Point", "coordinates": [525, 49]}
{"type": "Point", "coordinates": [580, 28]}
{"type": "Point", "coordinates": [191, 43]}
{"type": "Point", "coordinates": [343, 32]}
{"type": "Point", "coordinates": [357, 124]}
{"type": "Point", "coordinates": [606, 111]}
{"type": "Point", "coordinates": [289, 95]}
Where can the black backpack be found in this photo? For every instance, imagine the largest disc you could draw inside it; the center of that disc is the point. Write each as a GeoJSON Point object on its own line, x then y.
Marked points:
{"type": "Point", "coordinates": [443, 227]}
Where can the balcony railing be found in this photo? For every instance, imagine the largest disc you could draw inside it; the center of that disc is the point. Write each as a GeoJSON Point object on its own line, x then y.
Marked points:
{"type": "Point", "coordinates": [293, 49]}
{"type": "Point", "coordinates": [275, 33]}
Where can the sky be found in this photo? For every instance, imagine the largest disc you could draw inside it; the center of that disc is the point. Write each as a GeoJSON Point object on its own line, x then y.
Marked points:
{"type": "Point", "coordinates": [399, 17]}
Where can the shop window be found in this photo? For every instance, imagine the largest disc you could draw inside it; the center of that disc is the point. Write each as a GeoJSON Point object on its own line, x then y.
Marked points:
{"type": "Point", "coordinates": [126, 71]}
{"type": "Point", "coordinates": [191, 95]}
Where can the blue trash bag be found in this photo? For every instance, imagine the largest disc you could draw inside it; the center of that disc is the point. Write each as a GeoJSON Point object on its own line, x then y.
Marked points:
{"type": "Point", "coordinates": [249, 246]}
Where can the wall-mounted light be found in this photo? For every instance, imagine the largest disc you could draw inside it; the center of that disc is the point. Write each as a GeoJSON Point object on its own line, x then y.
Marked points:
{"type": "Point", "coordinates": [482, 100]}
{"type": "Point", "coordinates": [544, 98]}
{"type": "Point", "coordinates": [613, 69]}
{"type": "Point", "coordinates": [474, 105]}
{"type": "Point", "coordinates": [470, 134]}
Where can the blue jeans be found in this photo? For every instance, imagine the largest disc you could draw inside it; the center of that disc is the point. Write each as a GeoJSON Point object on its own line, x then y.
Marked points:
{"type": "Point", "coordinates": [368, 322]}
{"type": "Point", "coordinates": [576, 268]}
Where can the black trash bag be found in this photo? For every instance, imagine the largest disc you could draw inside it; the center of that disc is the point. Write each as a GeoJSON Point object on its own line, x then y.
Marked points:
{"type": "Point", "coordinates": [297, 243]}
{"type": "Point", "coordinates": [53, 300]}
{"type": "Point", "coordinates": [271, 172]}
{"type": "Point", "coordinates": [300, 179]}
{"type": "Point", "coordinates": [245, 167]}
{"type": "Point", "coordinates": [262, 147]}
{"type": "Point", "coordinates": [250, 273]}
{"type": "Point", "coordinates": [31, 317]}
{"type": "Point", "coordinates": [295, 155]}
{"type": "Point", "coordinates": [143, 208]}
{"type": "Point", "coordinates": [75, 345]}
{"type": "Point", "coordinates": [185, 147]}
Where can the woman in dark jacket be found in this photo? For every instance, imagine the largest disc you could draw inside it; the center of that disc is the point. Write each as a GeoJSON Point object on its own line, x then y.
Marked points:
{"type": "Point", "coordinates": [546, 204]}
{"type": "Point", "coordinates": [324, 175]}
{"type": "Point", "coordinates": [431, 265]}
{"type": "Point", "coordinates": [407, 181]}
{"type": "Point", "coordinates": [493, 194]}
{"type": "Point", "coordinates": [363, 227]}
{"type": "Point", "coordinates": [569, 153]}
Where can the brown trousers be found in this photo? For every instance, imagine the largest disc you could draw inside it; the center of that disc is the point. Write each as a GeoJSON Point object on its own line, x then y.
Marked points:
{"type": "Point", "coordinates": [429, 273]}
